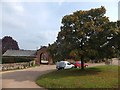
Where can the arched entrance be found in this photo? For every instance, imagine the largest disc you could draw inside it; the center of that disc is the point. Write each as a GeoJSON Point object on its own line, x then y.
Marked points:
{"type": "Point", "coordinates": [43, 56]}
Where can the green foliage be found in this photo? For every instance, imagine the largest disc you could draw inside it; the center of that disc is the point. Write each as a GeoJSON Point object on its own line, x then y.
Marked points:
{"type": "Point", "coordinates": [9, 43]}
{"type": "Point", "coordinates": [87, 34]}
{"type": "Point", "coordinates": [6, 60]}
{"type": "Point", "coordinates": [74, 54]}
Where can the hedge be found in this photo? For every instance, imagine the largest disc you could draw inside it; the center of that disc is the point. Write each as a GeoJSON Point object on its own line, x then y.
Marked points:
{"type": "Point", "coordinates": [16, 59]}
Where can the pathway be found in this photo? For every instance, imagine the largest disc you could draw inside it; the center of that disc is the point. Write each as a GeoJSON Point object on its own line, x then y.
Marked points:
{"type": "Point", "coordinates": [24, 78]}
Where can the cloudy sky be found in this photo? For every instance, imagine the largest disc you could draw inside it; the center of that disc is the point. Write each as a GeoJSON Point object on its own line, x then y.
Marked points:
{"type": "Point", "coordinates": [37, 23]}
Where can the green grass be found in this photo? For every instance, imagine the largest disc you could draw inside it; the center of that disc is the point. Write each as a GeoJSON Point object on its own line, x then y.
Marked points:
{"type": "Point", "coordinates": [92, 77]}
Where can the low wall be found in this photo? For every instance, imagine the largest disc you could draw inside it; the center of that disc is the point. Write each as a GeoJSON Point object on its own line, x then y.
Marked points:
{"type": "Point", "coordinates": [13, 66]}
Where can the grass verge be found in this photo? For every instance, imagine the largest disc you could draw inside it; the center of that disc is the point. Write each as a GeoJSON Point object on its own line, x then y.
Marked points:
{"type": "Point", "coordinates": [92, 77]}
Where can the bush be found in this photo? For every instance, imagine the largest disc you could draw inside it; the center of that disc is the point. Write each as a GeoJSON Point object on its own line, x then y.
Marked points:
{"type": "Point", "coordinates": [16, 59]}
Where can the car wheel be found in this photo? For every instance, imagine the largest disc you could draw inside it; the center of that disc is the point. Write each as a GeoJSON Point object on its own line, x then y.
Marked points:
{"type": "Point", "coordinates": [62, 68]}
{"type": "Point", "coordinates": [72, 66]}
{"type": "Point", "coordinates": [75, 66]}
{"type": "Point", "coordinates": [59, 68]}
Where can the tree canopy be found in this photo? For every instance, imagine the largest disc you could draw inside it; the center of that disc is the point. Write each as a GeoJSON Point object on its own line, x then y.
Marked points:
{"type": "Point", "coordinates": [87, 34]}
{"type": "Point", "coordinates": [9, 43]}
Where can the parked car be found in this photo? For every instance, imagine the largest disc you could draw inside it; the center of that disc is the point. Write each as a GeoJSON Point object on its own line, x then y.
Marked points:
{"type": "Point", "coordinates": [78, 64]}
{"type": "Point", "coordinates": [64, 65]}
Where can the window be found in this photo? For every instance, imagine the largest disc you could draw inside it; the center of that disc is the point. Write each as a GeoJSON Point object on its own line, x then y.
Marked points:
{"type": "Point", "coordinates": [68, 64]}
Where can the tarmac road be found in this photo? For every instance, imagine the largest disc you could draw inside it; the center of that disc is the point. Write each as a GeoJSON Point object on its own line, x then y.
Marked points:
{"type": "Point", "coordinates": [24, 78]}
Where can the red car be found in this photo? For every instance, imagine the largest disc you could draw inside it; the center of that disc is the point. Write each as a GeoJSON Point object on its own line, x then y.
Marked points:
{"type": "Point", "coordinates": [78, 64]}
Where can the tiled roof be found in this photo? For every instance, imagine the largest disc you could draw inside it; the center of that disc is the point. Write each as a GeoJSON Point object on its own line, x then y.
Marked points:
{"type": "Point", "coordinates": [28, 53]}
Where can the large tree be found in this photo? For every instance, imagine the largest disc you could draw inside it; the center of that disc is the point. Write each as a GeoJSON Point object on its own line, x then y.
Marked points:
{"type": "Point", "coordinates": [86, 34]}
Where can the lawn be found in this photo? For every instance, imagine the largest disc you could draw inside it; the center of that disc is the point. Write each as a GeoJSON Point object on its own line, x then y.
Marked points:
{"type": "Point", "coordinates": [92, 77]}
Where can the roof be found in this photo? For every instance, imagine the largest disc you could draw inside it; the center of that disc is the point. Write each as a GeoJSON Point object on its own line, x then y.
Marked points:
{"type": "Point", "coordinates": [22, 53]}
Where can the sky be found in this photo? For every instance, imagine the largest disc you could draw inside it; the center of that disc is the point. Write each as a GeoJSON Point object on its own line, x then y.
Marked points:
{"type": "Point", "coordinates": [36, 23]}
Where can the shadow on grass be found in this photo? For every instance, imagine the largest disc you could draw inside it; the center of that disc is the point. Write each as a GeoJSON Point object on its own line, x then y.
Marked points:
{"type": "Point", "coordinates": [72, 72]}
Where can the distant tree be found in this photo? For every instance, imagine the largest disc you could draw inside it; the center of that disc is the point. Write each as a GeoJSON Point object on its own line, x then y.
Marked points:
{"type": "Point", "coordinates": [0, 45]}
{"type": "Point", "coordinates": [9, 43]}
{"type": "Point", "coordinates": [54, 53]}
{"type": "Point", "coordinates": [118, 38]}
{"type": "Point", "coordinates": [0, 51]}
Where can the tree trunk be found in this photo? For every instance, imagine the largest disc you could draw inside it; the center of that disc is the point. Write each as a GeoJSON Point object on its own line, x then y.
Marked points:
{"type": "Point", "coordinates": [82, 57]}
{"type": "Point", "coordinates": [82, 63]}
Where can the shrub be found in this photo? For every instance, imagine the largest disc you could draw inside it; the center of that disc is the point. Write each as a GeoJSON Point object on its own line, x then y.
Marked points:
{"type": "Point", "coordinates": [16, 59]}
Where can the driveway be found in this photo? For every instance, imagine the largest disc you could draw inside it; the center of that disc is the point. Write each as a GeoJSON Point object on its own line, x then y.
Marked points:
{"type": "Point", "coordinates": [24, 78]}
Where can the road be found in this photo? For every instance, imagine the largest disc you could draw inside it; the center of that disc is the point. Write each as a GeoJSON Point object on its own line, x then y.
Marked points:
{"type": "Point", "coordinates": [24, 78]}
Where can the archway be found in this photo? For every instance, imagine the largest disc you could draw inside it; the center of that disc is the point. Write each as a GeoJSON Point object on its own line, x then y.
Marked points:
{"type": "Point", "coordinates": [43, 56]}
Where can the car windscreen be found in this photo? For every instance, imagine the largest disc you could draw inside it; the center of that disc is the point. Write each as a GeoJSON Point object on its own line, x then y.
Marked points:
{"type": "Point", "coordinates": [68, 64]}
{"type": "Point", "coordinates": [79, 62]}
